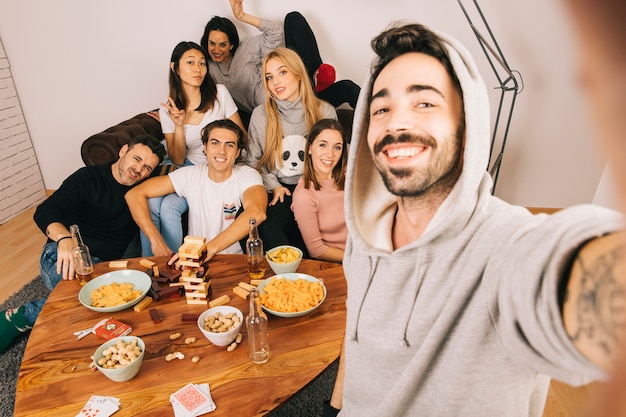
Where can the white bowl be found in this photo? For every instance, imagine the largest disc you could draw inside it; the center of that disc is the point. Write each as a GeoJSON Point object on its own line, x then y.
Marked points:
{"type": "Point", "coordinates": [140, 280]}
{"type": "Point", "coordinates": [283, 267]}
{"type": "Point", "coordinates": [291, 276]}
{"type": "Point", "coordinates": [225, 338]}
{"type": "Point", "coordinates": [124, 373]}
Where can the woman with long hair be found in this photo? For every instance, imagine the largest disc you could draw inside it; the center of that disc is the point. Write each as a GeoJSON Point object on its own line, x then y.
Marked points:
{"type": "Point", "coordinates": [237, 64]}
{"type": "Point", "coordinates": [194, 101]}
{"type": "Point", "coordinates": [278, 132]}
{"type": "Point", "coordinates": [318, 198]}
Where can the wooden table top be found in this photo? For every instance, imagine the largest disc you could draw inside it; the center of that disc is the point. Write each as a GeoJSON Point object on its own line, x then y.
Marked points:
{"type": "Point", "coordinates": [55, 378]}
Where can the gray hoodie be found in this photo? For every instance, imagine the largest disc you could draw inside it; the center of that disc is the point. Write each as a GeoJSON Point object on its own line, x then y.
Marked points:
{"type": "Point", "coordinates": [464, 321]}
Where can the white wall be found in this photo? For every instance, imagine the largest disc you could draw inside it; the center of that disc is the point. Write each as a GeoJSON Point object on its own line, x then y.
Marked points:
{"type": "Point", "coordinates": [81, 66]}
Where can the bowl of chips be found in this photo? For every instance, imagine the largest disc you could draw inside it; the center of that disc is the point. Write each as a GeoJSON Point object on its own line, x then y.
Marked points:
{"type": "Point", "coordinates": [120, 358]}
{"type": "Point", "coordinates": [115, 291]}
{"type": "Point", "coordinates": [291, 294]}
{"type": "Point", "coordinates": [284, 259]}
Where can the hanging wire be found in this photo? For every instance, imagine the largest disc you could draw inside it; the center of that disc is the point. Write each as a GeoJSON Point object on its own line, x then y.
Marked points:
{"type": "Point", "coordinates": [509, 86]}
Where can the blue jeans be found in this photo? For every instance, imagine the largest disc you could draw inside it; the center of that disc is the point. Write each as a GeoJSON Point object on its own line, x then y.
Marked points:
{"type": "Point", "coordinates": [167, 215]}
{"type": "Point", "coordinates": [48, 270]}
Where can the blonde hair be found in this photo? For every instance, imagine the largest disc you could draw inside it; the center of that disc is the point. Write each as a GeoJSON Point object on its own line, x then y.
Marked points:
{"type": "Point", "coordinates": [311, 104]}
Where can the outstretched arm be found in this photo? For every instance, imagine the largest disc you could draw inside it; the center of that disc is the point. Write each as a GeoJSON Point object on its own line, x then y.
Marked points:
{"type": "Point", "coordinates": [137, 200]}
{"type": "Point", "coordinates": [594, 303]}
{"type": "Point", "coordinates": [237, 6]}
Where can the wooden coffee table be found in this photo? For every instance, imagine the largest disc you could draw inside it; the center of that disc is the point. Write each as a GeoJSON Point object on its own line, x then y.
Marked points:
{"type": "Point", "coordinates": [55, 378]}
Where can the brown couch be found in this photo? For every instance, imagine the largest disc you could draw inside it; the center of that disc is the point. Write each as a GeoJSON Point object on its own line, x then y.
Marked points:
{"type": "Point", "coordinates": [103, 147]}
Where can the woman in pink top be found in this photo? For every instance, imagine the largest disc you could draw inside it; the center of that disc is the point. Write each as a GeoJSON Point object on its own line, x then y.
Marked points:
{"type": "Point", "coordinates": [318, 198]}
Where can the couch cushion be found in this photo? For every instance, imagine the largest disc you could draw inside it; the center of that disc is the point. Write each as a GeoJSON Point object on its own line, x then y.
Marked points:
{"type": "Point", "coordinates": [104, 147]}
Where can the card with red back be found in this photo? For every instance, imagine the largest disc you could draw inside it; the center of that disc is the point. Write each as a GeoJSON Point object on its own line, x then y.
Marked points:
{"type": "Point", "coordinates": [111, 328]}
{"type": "Point", "coordinates": [193, 400]}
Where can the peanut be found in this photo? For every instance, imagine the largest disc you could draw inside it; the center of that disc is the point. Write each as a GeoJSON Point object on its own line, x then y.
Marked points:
{"type": "Point", "coordinates": [175, 336]}
{"type": "Point", "coordinates": [195, 359]}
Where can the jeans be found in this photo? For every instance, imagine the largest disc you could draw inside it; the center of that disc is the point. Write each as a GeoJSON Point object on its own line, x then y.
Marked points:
{"type": "Point", "coordinates": [48, 270]}
{"type": "Point", "coordinates": [166, 213]}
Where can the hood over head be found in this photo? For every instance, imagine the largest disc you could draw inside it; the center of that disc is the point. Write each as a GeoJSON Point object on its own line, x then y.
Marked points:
{"type": "Point", "coordinates": [370, 207]}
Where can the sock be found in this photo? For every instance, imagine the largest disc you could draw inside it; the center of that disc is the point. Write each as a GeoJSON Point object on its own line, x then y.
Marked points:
{"type": "Point", "coordinates": [12, 323]}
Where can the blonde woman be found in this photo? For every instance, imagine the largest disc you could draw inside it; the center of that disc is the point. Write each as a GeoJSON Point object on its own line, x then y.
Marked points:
{"type": "Point", "coordinates": [277, 135]}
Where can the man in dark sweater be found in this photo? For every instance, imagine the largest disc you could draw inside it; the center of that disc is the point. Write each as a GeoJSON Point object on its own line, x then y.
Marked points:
{"type": "Point", "coordinates": [93, 199]}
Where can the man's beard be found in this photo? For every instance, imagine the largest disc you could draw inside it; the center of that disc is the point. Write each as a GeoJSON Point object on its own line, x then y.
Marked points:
{"type": "Point", "coordinates": [440, 175]}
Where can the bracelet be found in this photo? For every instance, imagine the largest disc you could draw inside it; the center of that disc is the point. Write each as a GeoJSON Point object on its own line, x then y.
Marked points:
{"type": "Point", "coordinates": [63, 237]}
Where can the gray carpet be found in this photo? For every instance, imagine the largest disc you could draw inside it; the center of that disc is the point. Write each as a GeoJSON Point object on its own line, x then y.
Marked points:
{"type": "Point", "coordinates": [307, 403]}
{"type": "Point", "coordinates": [11, 359]}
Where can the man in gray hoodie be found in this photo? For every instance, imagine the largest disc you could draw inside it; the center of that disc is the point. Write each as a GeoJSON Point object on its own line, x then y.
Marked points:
{"type": "Point", "coordinates": [460, 304]}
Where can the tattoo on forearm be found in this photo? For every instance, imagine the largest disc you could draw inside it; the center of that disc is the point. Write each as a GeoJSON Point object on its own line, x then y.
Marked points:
{"type": "Point", "coordinates": [601, 302]}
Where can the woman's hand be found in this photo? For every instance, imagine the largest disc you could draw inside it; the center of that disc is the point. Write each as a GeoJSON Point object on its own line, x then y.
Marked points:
{"type": "Point", "coordinates": [237, 6]}
{"type": "Point", "coordinates": [178, 116]}
{"type": "Point", "coordinates": [279, 194]}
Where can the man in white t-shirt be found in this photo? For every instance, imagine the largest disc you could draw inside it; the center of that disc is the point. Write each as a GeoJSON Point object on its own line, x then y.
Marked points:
{"type": "Point", "coordinates": [215, 193]}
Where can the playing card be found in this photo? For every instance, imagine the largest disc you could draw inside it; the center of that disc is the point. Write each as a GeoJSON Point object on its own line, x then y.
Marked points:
{"type": "Point", "coordinates": [99, 406]}
{"type": "Point", "coordinates": [192, 400]}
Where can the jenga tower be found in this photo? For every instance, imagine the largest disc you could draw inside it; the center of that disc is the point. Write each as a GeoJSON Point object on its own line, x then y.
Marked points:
{"type": "Point", "coordinates": [192, 256]}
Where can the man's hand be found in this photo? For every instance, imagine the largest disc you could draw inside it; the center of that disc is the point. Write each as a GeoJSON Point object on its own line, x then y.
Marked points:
{"type": "Point", "coordinates": [65, 263]}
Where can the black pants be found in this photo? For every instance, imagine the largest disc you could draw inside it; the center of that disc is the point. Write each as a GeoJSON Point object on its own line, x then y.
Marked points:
{"type": "Point", "coordinates": [300, 37]}
{"type": "Point", "coordinates": [280, 226]}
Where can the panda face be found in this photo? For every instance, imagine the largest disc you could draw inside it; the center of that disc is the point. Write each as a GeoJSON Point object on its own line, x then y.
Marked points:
{"type": "Point", "coordinates": [293, 156]}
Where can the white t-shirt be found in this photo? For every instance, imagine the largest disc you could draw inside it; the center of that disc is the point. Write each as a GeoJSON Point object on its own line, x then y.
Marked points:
{"type": "Point", "coordinates": [224, 108]}
{"type": "Point", "coordinates": [213, 205]}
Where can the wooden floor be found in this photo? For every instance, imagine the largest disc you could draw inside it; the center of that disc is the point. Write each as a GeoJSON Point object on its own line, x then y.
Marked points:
{"type": "Point", "coordinates": [21, 242]}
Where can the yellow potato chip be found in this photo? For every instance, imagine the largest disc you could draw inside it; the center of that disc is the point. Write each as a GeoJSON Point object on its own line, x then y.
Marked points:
{"type": "Point", "coordinates": [113, 294]}
{"type": "Point", "coordinates": [283, 255]}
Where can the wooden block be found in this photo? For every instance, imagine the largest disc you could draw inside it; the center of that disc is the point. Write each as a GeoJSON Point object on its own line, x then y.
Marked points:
{"type": "Point", "coordinates": [256, 282]}
{"type": "Point", "coordinates": [140, 306]}
{"type": "Point", "coordinates": [193, 295]}
{"type": "Point", "coordinates": [203, 302]}
{"type": "Point", "coordinates": [219, 301]}
{"type": "Point", "coordinates": [171, 275]}
{"type": "Point", "coordinates": [177, 284]}
{"type": "Point", "coordinates": [195, 239]}
{"type": "Point", "coordinates": [241, 292]}
{"type": "Point", "coordinates": [155, 270]}
{"type": "Point", "coordinates": [246, 286]}
{"type": "Point", "coordinates": [146, 263]}
{"type": "Point", "coordinates": [189, 318]}
{"type": "Point", "coordinates": [189, 263]}
{"type": "Point", "coordinates": [197, 280]}
{"type": "Point", "coordinates": [204, 287]}
{"type": "Point", "coordinates": [156, 316]}
{"type": "Point", "coordinates": [188, 273]}
{"type": "Point", "coordinates": [118, 264]}
{"type": "Point", "coordinates": [170, 292]}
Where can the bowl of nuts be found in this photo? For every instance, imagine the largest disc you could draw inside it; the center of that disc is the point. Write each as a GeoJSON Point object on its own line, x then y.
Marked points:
{"type": "Point", "coordinates": [120, 358]}
{"type": "Point", "coordinates": [220, 324]}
